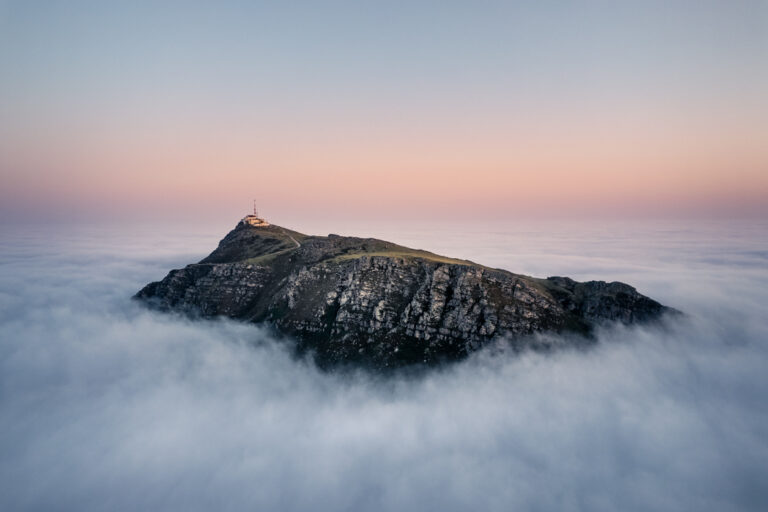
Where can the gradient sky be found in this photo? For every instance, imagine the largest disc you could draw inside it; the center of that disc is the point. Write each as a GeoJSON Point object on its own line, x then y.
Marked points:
{"type": "Point", "coordinates": [377, 109]}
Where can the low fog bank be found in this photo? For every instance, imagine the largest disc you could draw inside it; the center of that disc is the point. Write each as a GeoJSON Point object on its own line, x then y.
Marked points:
{"type": "Point", "coordinates": [104, 405]}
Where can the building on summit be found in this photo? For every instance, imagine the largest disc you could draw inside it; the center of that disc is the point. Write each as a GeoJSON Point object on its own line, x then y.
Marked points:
{"type": "Point", "coordinates": [254, 219]}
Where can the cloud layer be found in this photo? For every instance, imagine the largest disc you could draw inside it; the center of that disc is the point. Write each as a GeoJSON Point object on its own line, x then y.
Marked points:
{"type": "Point", "coordinates": [104, 405]}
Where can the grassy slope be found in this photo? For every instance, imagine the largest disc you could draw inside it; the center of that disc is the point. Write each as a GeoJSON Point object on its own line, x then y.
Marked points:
{"type": "Point", "coordinates": [372, 248]}
{"type": "Point", "coordinates": [406, 253]}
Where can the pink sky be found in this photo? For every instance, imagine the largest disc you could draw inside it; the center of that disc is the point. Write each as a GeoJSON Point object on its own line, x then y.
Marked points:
{"type": "Point", "coordinates": [611, 164]}
{"type": "Point", "coordinates": [659, 114]}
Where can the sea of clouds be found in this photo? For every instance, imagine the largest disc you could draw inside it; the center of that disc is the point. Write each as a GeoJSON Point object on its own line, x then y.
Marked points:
{"type": "Point", "coordinates": [107, 406]}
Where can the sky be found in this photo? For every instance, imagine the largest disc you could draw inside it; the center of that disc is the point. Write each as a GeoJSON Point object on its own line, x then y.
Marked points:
{"type": "Point", "coordinates": [379, 110]}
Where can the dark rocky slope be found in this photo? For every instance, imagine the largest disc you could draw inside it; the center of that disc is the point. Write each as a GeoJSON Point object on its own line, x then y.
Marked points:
{"type": "Point", "coordinates": [367, 301]}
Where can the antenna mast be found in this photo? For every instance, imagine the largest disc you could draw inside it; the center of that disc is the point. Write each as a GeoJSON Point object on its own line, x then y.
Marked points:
{"type": "Point", "coordinates": [255, 211]}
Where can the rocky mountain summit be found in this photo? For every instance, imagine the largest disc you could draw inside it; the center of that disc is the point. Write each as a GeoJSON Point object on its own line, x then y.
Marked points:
{"type": "Point", "coordinates": [365, 301]}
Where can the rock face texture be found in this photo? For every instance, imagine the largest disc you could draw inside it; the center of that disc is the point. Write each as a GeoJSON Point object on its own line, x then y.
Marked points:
{"type": "Point", "coordinates": [365, 301]}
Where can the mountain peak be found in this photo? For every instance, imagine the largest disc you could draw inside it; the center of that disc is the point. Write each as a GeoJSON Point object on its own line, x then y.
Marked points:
{"type": "Point", "coordinates": [352, 300]}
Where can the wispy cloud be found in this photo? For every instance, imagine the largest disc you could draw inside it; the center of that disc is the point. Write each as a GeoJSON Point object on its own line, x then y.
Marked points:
{"type": "Point", "coordinates": [104, 405]}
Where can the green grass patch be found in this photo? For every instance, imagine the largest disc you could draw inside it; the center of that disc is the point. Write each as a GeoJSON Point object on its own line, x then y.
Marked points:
{"type": "Point", "coordinates": [407, 254]}
{"type": "Point", "coordinates": [266, 259]}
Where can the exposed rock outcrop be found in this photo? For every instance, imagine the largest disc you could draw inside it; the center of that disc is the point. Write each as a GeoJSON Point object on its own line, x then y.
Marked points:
{"type": "Point", "coordinates": [358, 300]}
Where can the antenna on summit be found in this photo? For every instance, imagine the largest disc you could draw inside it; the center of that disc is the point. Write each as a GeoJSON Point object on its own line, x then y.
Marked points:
{"type": "Point", "coordinates": [254, 219]}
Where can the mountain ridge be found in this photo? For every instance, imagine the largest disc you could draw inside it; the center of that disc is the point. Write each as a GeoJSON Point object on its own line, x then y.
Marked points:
{"type": "Point", "coordinates": [352, 300]}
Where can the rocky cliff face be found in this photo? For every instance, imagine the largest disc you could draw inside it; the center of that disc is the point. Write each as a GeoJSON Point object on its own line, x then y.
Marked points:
{"type": "Point", "coordinates": [366, 301]}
